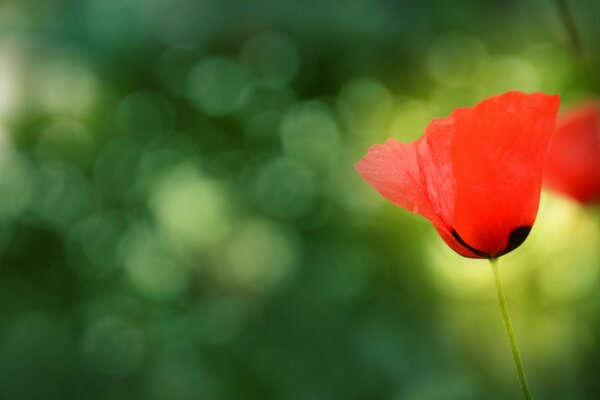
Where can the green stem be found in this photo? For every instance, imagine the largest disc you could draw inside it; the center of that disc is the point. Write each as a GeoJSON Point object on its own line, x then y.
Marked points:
{"type": "Point", "coordinates": [509, 330]}
{"type": "Point", "coordinates": [575, 40]}
{"type": "Point", "coordinates": [569, 23]}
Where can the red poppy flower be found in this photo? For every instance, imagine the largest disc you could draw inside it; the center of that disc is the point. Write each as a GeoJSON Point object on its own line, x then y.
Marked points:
{"type": "Point", "coordinates": [476, 175]}
{"type": "Point", "coordinates": [573, 163]}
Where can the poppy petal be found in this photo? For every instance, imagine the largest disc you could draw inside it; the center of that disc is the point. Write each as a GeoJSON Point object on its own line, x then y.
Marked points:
{"type": "Point", "coordinates": [498, 156]}
{"type": "Point", "coordinates": [393, 170]}
{"type": "Point", "coordinates": [437, 177]}
{"type": "Point", "coordinates": [573, 163]}
{"type": "Point", "coordinates": [417, 177]}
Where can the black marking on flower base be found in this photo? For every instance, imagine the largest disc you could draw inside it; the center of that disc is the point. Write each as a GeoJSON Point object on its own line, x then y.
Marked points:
{"type": "Point", "coordinates": [460, 240]}
{"type": "Point", "coordinates": [515, 239]}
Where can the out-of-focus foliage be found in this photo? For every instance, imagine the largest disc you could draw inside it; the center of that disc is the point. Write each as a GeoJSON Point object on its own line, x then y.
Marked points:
{"type": "Point", "coordinates": [180, 217]}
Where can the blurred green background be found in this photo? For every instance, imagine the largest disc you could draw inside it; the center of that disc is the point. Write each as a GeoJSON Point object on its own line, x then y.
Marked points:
{"type": "Point", "coordinates": [180, 217]}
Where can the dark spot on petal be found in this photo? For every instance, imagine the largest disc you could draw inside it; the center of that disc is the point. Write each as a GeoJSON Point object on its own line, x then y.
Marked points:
{"type": "Point", "coordinates": [515, 239]}
{"type": "Point", "coordinates": [460, 240]}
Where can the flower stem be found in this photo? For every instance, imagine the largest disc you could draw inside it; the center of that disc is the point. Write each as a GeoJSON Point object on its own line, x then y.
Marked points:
{"type": "Point", "coordinates": [509, 330]}
{"type": "Point", "coordinates": [575, 40]}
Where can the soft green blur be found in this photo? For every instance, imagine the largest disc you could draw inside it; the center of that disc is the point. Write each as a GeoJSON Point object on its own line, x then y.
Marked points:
{"type": "Point", "coordinates": [180, 217]}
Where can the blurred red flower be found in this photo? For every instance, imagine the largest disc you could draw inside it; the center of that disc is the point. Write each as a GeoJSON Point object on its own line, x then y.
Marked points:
{"type": "Point", "coordinates": [476, 175]}
{"type": "Point", "coordinates": [573, 163]}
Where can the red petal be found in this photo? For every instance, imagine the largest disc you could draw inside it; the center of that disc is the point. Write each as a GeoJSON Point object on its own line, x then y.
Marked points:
{"type": "Point", "coordinates": [498, 154]}
{"type": "Point", "coordinates": [573, 164]}
{"type": "Point", "coordinates": [438, 180]}
{"type": "Point", "coordinates": [400, 172]}
{"type": "Point", "coordinates": [393, 170]}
